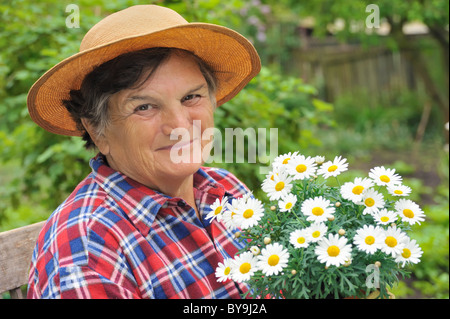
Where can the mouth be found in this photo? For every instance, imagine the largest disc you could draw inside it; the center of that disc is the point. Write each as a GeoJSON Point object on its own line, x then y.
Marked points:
{"type": "Point", "coordinates": [176, 146]}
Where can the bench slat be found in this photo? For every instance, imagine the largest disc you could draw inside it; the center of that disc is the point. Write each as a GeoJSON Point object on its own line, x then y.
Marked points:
{"type": "Point", "coordinates": [17, 293]}
{"type": "Point", "coordinates": [16, 248]}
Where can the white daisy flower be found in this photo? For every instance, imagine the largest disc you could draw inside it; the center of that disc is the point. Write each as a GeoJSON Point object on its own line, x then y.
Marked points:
{"type": "Point", "coordinates": [223, 270]}
{"type": "Point", "coordinates": [372, 200]}
{"type": "Point", "coordinates": [384, 217]}
{"type": "Point", "coordinates": [243, 267]}
{"type": "Point", "coordinates": [317, 209]}
{"type": "Point", "coordinates": [409, 211]}
{"type": "Point", "coordinates": [411, 253]}
{"type": "Point", "coordinates": [287, 203]}
{"type": "Point", "coordinates": [217, 208]}
{"type": "Point", "coordinates": [316, 231]}
{"type": "Point", "coordinates": [393, 241]}
{"type": "Point", "coordinates": [384, 176]}
{"type": "Point", "coordinates": [301, 167]}
{"type": "Point", "coordinates": [273, 259]}
{"type": "Point", "coordinates": [283, 159]}
{"type": "Point", "coordinates": [399, 190]}
{"type": "Point", "coordinates": [232, 208]}
{"type": "Point", "coordinates": [353, 190]}
{"type": "Point", "coordinates": [333, 250]}
{"type": "Point", "coordinates": [230, 212]}
{"type": "Point", "coordinates": [271, 175]}
{"type": "Point", "coordinates": [299, 238]}
{"type": "Point", "coordinates": [228, 219]}
{"type": "Point", "coordinates": [279, 187]}
{"type": "Point", "coordinates": [369, 239]}
{"type": "Point", "coordinates": [248, 213]}
{"type": "Point", "coordinates": [333, 168]}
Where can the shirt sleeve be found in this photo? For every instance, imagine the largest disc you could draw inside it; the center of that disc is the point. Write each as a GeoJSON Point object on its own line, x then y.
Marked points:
{"type": "Point", "coordinates": [86, 267]}
{"type": "Point", "coordinates": [84, 283]}
{"type": "Point", "coordinates": [77, 282]}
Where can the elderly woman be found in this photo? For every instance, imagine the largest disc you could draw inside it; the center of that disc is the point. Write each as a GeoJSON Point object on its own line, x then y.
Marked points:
{"type": "Point", "coordinates": [135, 227]}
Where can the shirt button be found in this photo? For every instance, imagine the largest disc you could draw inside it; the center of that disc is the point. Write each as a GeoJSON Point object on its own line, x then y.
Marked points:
{"type": "Point", "coordinates": [181, 203]}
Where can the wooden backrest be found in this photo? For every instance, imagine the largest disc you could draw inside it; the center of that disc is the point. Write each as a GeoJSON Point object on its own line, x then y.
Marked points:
{"type": "Point", "coordinates": [16, 248]}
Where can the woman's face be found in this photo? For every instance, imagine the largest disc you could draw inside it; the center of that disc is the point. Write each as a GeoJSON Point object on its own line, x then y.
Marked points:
{"type": "Point", "coordinates": [175, 101]}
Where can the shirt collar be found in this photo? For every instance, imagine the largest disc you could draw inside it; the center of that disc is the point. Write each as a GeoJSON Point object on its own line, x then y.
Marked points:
{"type": "Point", "coordinates": [140, 203]}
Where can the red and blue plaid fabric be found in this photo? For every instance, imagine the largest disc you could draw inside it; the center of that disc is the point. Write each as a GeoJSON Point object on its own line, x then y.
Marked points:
{"type": "Point", "coordinates": [115, 238]}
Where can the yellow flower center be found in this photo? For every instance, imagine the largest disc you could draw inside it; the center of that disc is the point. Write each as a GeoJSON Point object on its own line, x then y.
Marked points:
{"type": "Point", "coordinates": [408, 213]}
{"type": "Point", "coordinates": [286, 160]}
{"type": "Point", "coordinates": [316, 234]}
{"type": "Point", "coordinates": [288, 206]}
{"type": "Point", "coordinates": [273, 260]}
{"type": "Point", "coordinates": [406, 253]}
{"type": "Point", "coordinates": [385, 178]}
{"type": "Point", "coordinates": [227, 271]}
{"type": "Point", "coordinates": [333, 251]}
{"type": "Point", "coordinates": [248, 213]}
{"type": "Point", "coordinates": [390, 241]}
{"type": "Point", "coordinates": [301, 168]}
{"type": "Point", "coordinates": [218, 210]}
{"type": "Point", "coordinates": [279, 186]}
{"type": "Point", "coordinates": [370, 240]}
{"type": "Point", "coordinates": [332, 168]}
{"type": "Point", "coordinates": [369, 202]}
{"type": "Point", "coordinates": [357, 190]}
{"type": "Point", "coordinates": [384, 219]}
{"type": "Point", "coordinates": [301, 240]}
{"type": "Point", "coordinates": [245, 268]}
{"type": "Point", "coordinates": [317, 211]}
{"type": "Point", "coordinates": [398, 192]}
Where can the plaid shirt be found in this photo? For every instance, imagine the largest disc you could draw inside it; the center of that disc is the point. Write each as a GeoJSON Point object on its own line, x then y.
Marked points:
{"type": "Point", "coordinates": [115, 238]}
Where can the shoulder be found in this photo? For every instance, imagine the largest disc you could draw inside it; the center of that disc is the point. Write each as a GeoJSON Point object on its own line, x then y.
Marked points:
{"type": "Point", "coordinates": [69, 231]}
{"type": "Point", "coordinates": [228, 180]}
{"type": "Point", "coordinates": [86, 229]}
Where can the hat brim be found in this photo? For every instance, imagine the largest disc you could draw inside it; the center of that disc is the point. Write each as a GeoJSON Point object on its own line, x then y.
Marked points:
{"type": "Point", "coordinates": [232, 57]}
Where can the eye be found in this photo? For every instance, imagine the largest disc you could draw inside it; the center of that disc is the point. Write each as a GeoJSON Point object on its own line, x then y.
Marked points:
{"type": "Point", "coordinates": [143, 107]}
{"type": "Point", "coordinates": [191, 99]}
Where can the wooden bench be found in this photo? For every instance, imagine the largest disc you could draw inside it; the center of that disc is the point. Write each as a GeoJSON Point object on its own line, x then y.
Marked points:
{"type": "Point", "coordinates": [16, 249]}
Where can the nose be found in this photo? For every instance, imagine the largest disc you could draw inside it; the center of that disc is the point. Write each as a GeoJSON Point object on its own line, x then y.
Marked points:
{"type": "Point", "coordinates": [175, 116]}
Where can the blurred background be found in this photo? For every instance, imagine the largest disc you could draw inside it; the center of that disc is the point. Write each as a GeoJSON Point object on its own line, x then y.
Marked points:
{"type": "Point", "coordinates": [367, 80]}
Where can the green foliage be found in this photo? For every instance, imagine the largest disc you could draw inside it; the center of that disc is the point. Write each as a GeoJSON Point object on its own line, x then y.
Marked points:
{"type": "Point", "coordinates": [432, 276]}
{"type": "Point", "coordinates": [49, 165]}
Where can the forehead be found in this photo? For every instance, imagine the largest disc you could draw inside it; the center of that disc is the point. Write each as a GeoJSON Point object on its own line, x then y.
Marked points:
{"type": "Point", "coordinates": [180, 71]}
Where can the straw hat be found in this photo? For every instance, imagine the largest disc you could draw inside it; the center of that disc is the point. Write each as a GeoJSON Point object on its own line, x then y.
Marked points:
{"type": "Point", "coordinates": [232, 57]}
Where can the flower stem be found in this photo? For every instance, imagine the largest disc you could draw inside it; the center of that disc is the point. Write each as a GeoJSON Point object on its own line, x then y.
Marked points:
{"type": "Point", "coordinates": [337, 180]}
{"type": "Point", "coordinates": [298, 218]}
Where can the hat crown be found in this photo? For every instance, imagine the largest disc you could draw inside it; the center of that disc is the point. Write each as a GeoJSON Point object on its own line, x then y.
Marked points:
{"type": "Point", "coordinates": [131, 22]}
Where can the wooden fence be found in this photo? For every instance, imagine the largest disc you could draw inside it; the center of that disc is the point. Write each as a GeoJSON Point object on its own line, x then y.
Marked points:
{"type": "Point", "coordinates": [338, 69]}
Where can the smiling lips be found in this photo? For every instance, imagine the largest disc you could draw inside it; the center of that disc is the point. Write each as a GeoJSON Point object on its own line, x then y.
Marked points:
{"type": "Point", "coordinates": [178, 145]}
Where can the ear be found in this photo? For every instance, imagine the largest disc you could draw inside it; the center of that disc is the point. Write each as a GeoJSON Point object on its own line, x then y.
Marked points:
{"type": "Point", "coordinates": [99, 140]}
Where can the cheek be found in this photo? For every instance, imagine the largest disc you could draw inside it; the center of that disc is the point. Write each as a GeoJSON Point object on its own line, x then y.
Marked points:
{"type": "Point", "coordinates": [206, 116]}
{"type": "Point", "coordinates": [207, 126]}
{"type": "Point", "coordinates": [132, 136]}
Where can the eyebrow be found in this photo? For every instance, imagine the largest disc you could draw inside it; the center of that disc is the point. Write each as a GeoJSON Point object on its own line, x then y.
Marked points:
{"type": "Point", "coordinates": [148, 97]}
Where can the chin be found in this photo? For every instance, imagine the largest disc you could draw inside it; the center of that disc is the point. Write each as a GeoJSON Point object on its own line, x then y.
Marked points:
{"type": "Point", "coordinates": [182, 170]}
